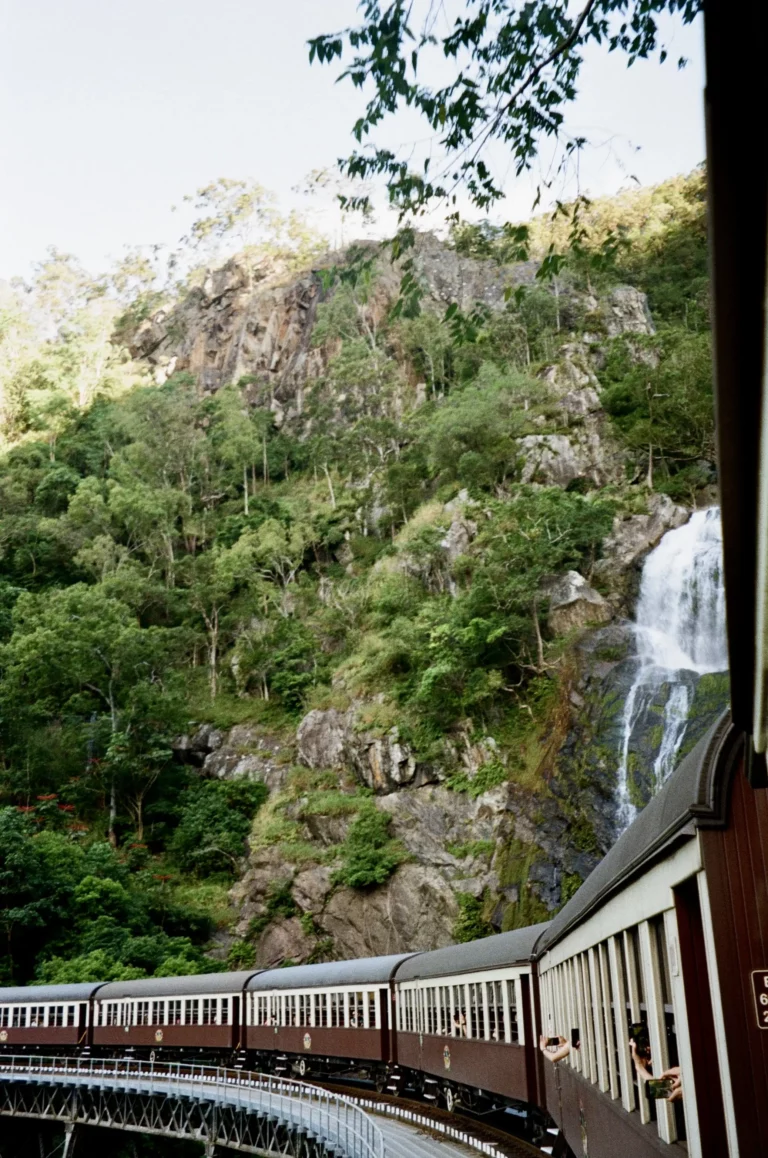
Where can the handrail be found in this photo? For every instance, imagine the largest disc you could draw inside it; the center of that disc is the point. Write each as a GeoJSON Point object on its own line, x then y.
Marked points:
{"type": "Point", "coordinates": [321, 1112]}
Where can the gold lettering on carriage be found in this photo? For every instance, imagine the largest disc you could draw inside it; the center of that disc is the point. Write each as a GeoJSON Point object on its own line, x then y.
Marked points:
{"type": "Point", "coordinates": [760, 991]}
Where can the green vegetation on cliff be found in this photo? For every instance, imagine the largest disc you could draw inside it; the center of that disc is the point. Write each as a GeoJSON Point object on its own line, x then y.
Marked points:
{"type": "Point", "coordinates": [171, 557]}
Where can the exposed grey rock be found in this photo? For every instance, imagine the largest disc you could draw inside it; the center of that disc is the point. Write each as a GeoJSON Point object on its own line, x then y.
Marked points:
{"type": "Point", "coordinates": [332, 739]}
{"type": "Point", "coordinates": [247, 752]}
{"type": "Point", "coordinates": [625, 311]}
{"type": "Point", "coordinates": [559, 459]}
{"type": "Point", "coordinates": [283, 940]}
{"type": "Point", "coordinates": [573, 603]}
{"type": "Point", "coordinates": [458, 539]}
{"type": "Point", "coordinates": [196, 748]}
{"type": "Point", "coordinates": [416, 909]}
{"type": "Point", "coordinates": [632, 537]}
{"type": "Point", "coordinates": [311, 887]}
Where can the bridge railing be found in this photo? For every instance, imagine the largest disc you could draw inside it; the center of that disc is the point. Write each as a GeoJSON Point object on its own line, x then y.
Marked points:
{"type": "Point", "coordinates": [309, 1107]}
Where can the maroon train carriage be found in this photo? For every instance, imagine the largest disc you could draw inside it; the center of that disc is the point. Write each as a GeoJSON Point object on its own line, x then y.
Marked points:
{"type": "Point", "coordinates": [202, 1015]}
{"type": "Point", "coordinates": [323, 1019]}
{"type": "Point", "coordinates": [465, 1019]}
{"type": "Point", "coordinates": [45, 1017]}
{"type": "Point", "coordinates": [670, 932]}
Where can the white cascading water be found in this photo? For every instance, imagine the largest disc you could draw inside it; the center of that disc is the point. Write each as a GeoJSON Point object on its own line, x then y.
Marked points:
{"type": "Point", "coordinates": [680, 627]}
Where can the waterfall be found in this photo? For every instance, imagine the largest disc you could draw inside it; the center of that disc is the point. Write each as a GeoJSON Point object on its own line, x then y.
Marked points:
{"type": "Point", "coordinates": [680, 635]}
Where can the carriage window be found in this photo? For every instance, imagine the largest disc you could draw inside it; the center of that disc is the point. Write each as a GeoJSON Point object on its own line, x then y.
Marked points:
{"type": "Point", "coordinates": [303, 1000]}
{"type": "Point", "coordinates": [356, 1009]}
{"type": "Point", "coordinates": [666, 990]}
{"type": "Point", "coordinates": [18, 1016]}
{"type": "Point", "coordinates": [191, 1012]}
{"type": "Point", "coordinates": [4, 1017]}
{"type": "Point", "coordinates": [209, 1011]}
{"type": "Point", "coordinates": [514, 1035]}
{"type": "Point", "coordinates": [337, 1009]}
{"type": "Point", "coordinates": [496, 1010]}
{"type": "Point", "coordinates": [430, 1010]}
{"type": "Point", "coordinates": [56, 1016]}
{"type": "Point", "coordinates": [71, 1015]}
{"type": "Point", "coordinates": [174, 1013]}
{"type": "Point", "coordinates": [36, 1016]}
{"type": "Point", "coordinates": [372, 1009]}
{"type": "Point", "coordinates": [224, 1016]}
{"type": "Point", "coordinates": [142, 1013]}
{"type": "Point", "coordinates": [111, 1009]}
{"type": "Point", "coordinates": [157, 1013]}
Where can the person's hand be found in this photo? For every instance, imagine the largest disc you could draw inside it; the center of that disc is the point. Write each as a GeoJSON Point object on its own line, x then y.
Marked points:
{"type": "Point", "coordinates": [561, 1041]}
{"type": "Point", "coordinates": [676, 1094]}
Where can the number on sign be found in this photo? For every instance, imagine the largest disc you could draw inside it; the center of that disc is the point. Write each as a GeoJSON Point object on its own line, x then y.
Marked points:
{"type": "Point", "coordinates": [760, 991]}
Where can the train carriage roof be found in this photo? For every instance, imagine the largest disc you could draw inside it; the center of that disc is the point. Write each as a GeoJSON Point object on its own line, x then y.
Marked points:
{"type": "Point", "coordinates": [35, 994]}
{"type": "Point", "coordinates": [489, 952]}
{"type": "Point", "coordinates": [196, 985]}
{"type": "Point", "coordinates": [363, 971]}
{"type": "Point", "coordinates": [695, 794]}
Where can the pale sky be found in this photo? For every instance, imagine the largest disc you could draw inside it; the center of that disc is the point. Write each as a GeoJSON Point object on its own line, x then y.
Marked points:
{"type": "Point", "coordinates": [111, 111]}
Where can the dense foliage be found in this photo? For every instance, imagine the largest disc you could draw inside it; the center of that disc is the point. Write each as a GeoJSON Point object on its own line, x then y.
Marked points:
{"type": "Point", "coordinates": [170, 558]}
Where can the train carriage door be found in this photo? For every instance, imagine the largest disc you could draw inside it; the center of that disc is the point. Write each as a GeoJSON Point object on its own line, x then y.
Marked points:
{"type": "Point", "coordinates": [531, 1053]}
{"type": "Point", "coordinates": [701, 1022]}
{"type": "Point", "coordinates": [384, 1019]}
{"type": "Point", "coordinates": [82, 1022]}
{"type": "Point", "coordinates": [236, 1040]}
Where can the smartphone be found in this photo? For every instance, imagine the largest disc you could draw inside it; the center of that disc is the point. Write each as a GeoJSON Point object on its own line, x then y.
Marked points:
{"type": "Point", "coordinates": [575, 1039]}
{"type": "Point", "coordinates": [659, 1088]}
{"type": "Point", "coordinates": [553, 1041]}
{"type": "Point", "coordinates": [639, 1034]}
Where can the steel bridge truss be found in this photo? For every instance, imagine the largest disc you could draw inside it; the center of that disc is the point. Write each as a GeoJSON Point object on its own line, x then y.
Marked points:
{"type": "Point", "coordinates": [250, 1113]}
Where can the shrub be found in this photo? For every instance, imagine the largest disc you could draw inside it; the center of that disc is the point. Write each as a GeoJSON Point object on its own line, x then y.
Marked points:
{"type": "Point", "coordinates": [369, 854]}
{"type": "Point", "coordinates": [215, 821]}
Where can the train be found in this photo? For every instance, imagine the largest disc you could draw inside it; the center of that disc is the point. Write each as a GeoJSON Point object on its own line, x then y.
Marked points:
{"type": "Point", "coordinates": [667, 937]}
{"type": "Point", "coordinates": [666, 940]}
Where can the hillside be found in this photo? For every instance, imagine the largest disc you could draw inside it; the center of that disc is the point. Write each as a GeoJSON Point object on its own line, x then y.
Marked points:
{"type": "Point", "coordinates": [313, 614]}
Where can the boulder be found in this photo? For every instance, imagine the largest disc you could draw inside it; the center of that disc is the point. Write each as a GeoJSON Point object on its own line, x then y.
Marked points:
{"type": "Point", "coordinates": [574, 604]}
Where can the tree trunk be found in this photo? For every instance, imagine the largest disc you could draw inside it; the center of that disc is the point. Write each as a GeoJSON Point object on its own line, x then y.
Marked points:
{"type": "Point", "coordinates": [245, 488]}
{"type": "Point", "coordinates": [330, 485]}
{"type": "Point", "coordinates": [111, 834]}
{"type": "Point", "coordinates": [213, 653]}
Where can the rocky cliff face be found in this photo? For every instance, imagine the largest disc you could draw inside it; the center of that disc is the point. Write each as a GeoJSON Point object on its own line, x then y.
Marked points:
{"type": "Point", "coordinates": [472, 841]}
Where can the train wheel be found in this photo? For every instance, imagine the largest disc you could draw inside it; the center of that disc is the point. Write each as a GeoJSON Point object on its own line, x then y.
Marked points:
{"type": "Point", "coordinates": [451, 1099]}
{"type": "Point", "coordinates": [302, 1067]}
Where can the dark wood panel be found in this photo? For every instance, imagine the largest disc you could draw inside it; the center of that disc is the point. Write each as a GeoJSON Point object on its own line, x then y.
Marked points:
{"type": "Point", "coordinates": [179, 1036]}
{"type": "Point", "coordinates": [364, 1044]}
{"type": "Point", "coordinates": [40, 1037]}
{"type": "Point", "coordinates": [495, 1066]}
{"type": "Point", "coordinates": [736, 865]}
